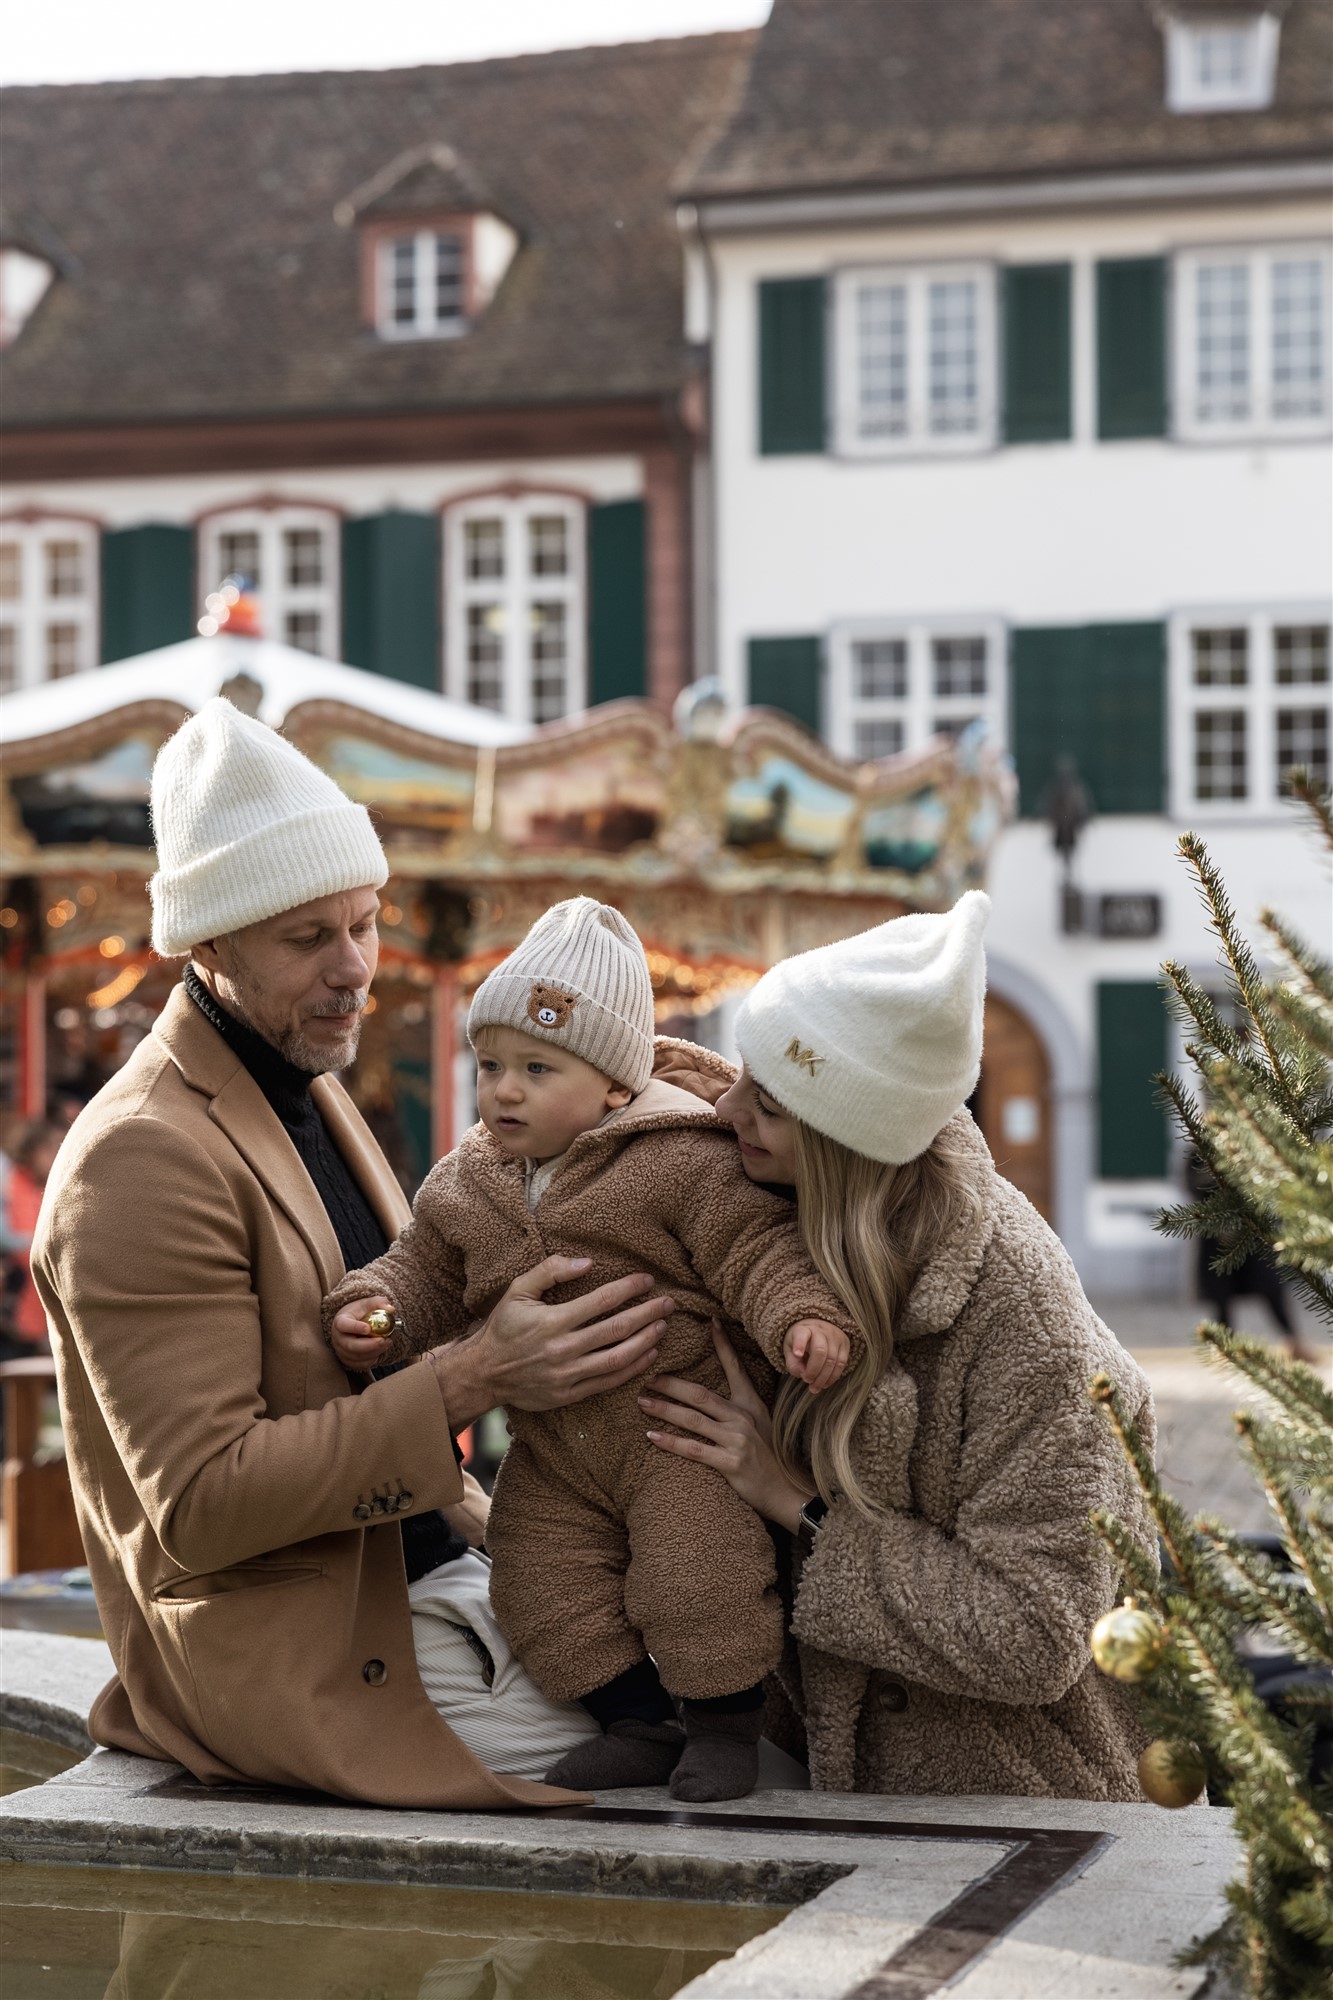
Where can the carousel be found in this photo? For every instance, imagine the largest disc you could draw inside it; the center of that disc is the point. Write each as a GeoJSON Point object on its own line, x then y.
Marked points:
{"type": "Point", "coordinates": [728, 839]}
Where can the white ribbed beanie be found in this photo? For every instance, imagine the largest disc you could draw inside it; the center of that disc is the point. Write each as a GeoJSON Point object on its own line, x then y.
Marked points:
{"type": "Point", "coordinates": [245, 826]}
{"type": "Point", "coordinates": [875, 1041]}
{"type": "Point", "coordinates": [579, 979]}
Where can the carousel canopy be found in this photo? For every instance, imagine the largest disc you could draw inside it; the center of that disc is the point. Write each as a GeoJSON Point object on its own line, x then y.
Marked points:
{"type": "Point", "coordinates": [191, 673]}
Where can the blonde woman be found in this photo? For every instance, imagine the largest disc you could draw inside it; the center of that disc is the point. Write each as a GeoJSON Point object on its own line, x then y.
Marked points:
{"type": "Point", "coordinates": [944, 1577]}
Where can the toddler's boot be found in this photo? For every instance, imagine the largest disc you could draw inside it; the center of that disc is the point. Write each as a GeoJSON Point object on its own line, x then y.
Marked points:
{"type": "Point", "coordinates": [721, 1755]}
{"type": "Point", "coordinates": [629, 1753]}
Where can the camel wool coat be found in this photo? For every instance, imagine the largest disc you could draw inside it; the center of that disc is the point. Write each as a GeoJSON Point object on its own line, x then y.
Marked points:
{"type": "Point", "coordinates": [943, 1648]}
{"type": "Point", "coordinates": [604, 1547]}
{"type": "Point", "coordinates": [238, 1502]}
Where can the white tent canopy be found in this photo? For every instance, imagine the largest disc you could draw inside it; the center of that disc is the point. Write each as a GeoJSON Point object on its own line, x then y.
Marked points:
{"type": "Point", "coordinates": [193, 671]}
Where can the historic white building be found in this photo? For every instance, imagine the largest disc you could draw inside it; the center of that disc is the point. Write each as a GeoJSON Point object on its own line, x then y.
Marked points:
{"type": "Point", "coordinates": [1019, 331]}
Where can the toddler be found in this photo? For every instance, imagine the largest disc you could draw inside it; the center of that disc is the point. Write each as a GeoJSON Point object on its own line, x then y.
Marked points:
{"type": "Point", "coordinates": [622, 1576]}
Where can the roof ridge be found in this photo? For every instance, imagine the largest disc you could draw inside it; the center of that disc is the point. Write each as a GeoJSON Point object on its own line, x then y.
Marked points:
{"type": "Point", "coordinates": [655, 47]}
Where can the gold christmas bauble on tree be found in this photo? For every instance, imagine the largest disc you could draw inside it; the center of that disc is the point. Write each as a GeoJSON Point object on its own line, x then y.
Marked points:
{"type": "Point", "coordinates": [1128, 1642]}
{"type": "Point", "coordinates": [1172, 1771]}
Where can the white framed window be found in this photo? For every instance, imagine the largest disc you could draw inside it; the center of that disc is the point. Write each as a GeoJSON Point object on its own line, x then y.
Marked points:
{"type": "Point", "coordinates": [289, 557]}
{"type": "Point", "coordinates": [1252, 696]}
{"type": "Point", "coordinates": [914, 350]}
{"type": "Point", "coordinates": [421, 284]}
{"type": "Point", "coordinates": [1226, 64]}
{"type": "Point", "coordinates": [1253, 342]}
{"type": "Point", "coordinates": [515, 603]}
{"type": "Point", "coordinates": [48, 601]}
{"type": "Point", "coordinates": [894, 687]}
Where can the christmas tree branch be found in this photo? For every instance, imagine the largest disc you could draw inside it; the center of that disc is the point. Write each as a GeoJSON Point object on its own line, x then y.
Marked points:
{"type": "Point", "coordinates": [1244, 969]}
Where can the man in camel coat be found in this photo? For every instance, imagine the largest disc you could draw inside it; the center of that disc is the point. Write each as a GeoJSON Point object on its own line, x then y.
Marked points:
{"type": "Point", "coordinates": [246, 1514]}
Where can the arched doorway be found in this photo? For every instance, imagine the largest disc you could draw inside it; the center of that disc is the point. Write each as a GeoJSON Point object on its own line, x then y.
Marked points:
{"type": "Point", "coordinates": [1012, 1104]}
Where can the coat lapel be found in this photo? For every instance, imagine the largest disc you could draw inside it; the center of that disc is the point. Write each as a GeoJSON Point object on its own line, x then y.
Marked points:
{"type": "Point", "coordinates": [238, 1106]}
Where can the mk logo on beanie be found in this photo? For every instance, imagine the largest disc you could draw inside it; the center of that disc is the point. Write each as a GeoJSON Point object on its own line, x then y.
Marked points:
{"type": "Point", "coordinates": [548, 1007]}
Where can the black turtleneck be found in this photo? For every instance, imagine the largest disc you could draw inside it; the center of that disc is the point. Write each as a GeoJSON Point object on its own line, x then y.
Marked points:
{"type": "Point", "coordinates": [428, 1540]}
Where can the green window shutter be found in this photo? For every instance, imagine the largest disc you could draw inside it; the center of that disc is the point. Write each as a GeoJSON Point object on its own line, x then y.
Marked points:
{"type": "Point", "coordinates": [1131, 347]}
{"type": "Point", "coordinates": [147, 589]}
{"type": "Point", "coordinates": [617, 601]}
{"type": "Point", "coordinates": [788, 674]}
{"type": "Point", "coordinates": [791, 365]}
{"type": "Point", "coordinates": [1038, 396]}
{"type": "Point", "coordinates": [1132, 1136]}
{"type": "Point", "coordinates": [1096, 693]}
{"type": "Point", "coordinates": [391, 596]}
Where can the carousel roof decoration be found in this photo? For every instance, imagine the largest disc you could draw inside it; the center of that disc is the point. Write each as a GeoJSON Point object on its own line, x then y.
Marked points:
{"type": "Point", "coordinates": [729, 839]}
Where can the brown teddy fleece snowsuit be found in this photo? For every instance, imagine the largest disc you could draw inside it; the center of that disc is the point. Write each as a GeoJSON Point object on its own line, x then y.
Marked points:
{"type": "Point", "coordinates": [603, 1546]}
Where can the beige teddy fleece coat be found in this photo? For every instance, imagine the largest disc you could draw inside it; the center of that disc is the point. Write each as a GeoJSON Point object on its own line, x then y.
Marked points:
{"type": "Point", "coordinates": [943, 1647]}
{"type": "Point", "coordinates": [602, 1545]}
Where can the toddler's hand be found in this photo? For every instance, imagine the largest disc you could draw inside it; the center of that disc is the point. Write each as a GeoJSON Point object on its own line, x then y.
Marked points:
{"type": "Point", "coordinates": [355, 1346]}
{"type": "Point", "coordinates": [816, 1353]}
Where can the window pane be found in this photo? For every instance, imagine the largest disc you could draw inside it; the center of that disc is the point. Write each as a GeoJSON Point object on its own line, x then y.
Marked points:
{"type": "Point", "coordinates": [485, 655]}
{"type": "Point", "coordinates": [881, 328]}
{"type": "Point", "coordinates": [1298, 338]}
{"type": "Point", "coordinates": [952, 725]}
{"type": "Point", "coordinates": [448, 280]}
{"type": "Point", "coordinates": [64, 569]}
{"type": "Point", "coordinates": [1302, 739]}
{"type": "Point", "coordinates": [1223, 343]}
{"type": "Point", "coordinates": [1302, 655]}
{"type": "Point", "coordinates": [960, 666]}
{"type": "Point", "coordinates": [304, 629]}
{"type": "Point", "coordinates": [9, 658]}
{"type": "Point", "coordinates": [880, 736]}
{"type": "Point", "coordinates": [548, 544]}
{"type": "Point", "coordinates": [62, 651]}
{"type": "Point", "coordinates": [484, 548]}
{"type": "Point", "coordinates": [1219, 754]}
{"type": "Point", "coordinates": [1222, 56]}
{"type": "Point", "coordinates": [879, 669]}
{"type": "Point", "coordinates": [238, 555]}
{"type": "Point", "coordinates": [951, 312]}
{"type": "Point", "coordinates": [11, 572]}
{"type": "Point", "coordinates": [550, 652]}
{"type": "Point", "coordinates": [303, 556]}
{"type": "Point", "coordinates": [1221, 659]}
{"type": "Point", "coordinates": [403, 281]}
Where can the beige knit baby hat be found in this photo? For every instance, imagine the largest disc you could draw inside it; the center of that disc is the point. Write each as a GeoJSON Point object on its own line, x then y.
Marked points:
{"type": "Point", "coordinates": [875, 1041]}
{"type": "Point", "coordinates": [245, 826]}
{"type": "Point", "coordinates": [579, 979]}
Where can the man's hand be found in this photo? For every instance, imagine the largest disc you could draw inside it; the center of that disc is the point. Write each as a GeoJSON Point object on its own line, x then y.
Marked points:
{"type": "Point", "coordinates": [816, 1353]}
{"type": "Point", "coordinates": [352, 1341]}
{"type": "Point", "coordinates": [531, 1355]}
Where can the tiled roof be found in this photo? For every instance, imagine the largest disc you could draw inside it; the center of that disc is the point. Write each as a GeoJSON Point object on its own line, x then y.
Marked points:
{"type": "Point", "coordinates": [424, 178]}
{"type": "Point", "coordinates": [209, 279]}
{"type": "Point", "coordinates": [876, 93]}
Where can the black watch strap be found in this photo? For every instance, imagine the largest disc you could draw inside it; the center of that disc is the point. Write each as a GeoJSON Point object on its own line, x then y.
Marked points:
{"type": "Point", "coordinates": [812, 1518]}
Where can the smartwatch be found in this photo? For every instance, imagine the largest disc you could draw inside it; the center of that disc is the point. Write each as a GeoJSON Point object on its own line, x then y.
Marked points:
{"type": "Point", "coordinates": [812, 1516]}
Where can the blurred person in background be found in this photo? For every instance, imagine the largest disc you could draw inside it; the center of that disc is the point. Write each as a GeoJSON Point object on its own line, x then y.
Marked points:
{"type": "Point", "coordinates": [22, 1179]}
{"type": "Point", "coordinates": [1255, 1277]}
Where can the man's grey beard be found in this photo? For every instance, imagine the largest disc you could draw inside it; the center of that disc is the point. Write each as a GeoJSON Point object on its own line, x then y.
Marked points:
{"type": "Point", "coordinates": [298, 1049]}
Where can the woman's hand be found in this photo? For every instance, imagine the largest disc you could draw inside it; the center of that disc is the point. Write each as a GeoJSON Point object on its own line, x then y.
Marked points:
{"type": "Point", "coordinates": [732, 1433]}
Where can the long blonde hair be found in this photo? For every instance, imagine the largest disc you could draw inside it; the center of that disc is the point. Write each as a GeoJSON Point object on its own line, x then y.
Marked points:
{"type": "Point", "coordinates": [869, 1229]}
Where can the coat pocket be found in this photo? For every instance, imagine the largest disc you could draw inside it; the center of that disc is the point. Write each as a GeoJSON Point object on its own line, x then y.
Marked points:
{"type": "Point", "coordinates": [241, 1576]}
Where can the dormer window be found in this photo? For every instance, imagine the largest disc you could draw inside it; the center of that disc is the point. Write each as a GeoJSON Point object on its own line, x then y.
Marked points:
{"type": "Point", "coordinates": [23, 284]}
{"type": "Point", "coordinates": [421, 282]}
{"type": "Point", "coordinates": [433, 249]}
{"type": "Point", "coordinates": [1221, 64]}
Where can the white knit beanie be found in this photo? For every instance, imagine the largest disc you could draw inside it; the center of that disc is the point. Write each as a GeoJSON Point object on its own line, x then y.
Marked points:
{"type": "Point", "coordinates": [579, 979]}
{"type": "Point", "coordinates": [245, 827]}
{"type": "Point", "coordinates": [875, 1041]}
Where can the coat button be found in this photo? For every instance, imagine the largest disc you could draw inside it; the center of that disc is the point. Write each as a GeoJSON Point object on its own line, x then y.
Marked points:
{"type": "Point", "coordinates": [895, 1695]}
{"type": "Point", "coordinates": [375, 1673]}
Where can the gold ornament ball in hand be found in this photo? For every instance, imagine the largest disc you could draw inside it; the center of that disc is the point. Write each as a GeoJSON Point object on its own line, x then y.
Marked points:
{"type": "Point", "coordinates": [381, 1321]}
{"type": "Point", "coordinates": [1172, 1772]}
{"type": "Point", "coordinates": [1128, 1643]}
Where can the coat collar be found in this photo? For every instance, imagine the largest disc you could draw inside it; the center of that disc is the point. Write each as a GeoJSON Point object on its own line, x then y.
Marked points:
{"type": "Point", "coordinates": [944, 1283]}
{"type": "Point", "coordinates": [238, 1106]}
